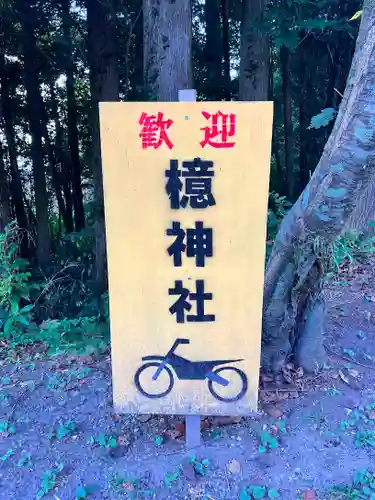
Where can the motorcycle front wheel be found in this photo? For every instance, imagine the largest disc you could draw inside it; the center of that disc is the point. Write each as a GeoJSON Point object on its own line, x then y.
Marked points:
{"type": "Point", "coordinates": [154, 391]}
{"type": "Point", "coordinates": [214, 387]}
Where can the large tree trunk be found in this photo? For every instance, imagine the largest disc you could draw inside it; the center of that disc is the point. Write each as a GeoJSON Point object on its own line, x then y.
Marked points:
{"type": "Point", "coordinates": [294, 309]}
{"type": "Point", "coordinates": [104, 86]}
{"type": "Point", "coordinates": [288, 124]}
{"type": "Point", "coordinates": [79, 214]}
{"type": "Point", "coordinates": [167, 48]}
{"type": "Point", "coordinates": [15, 179]}
{"type": "Point", "coordinates": [213, 51]}
{"type": "Point", "coordinates": [226, 52]}
{"type": "Point", "coordinates": [35, 117]}
{"type": "Point", "coordinates": [255, 54]}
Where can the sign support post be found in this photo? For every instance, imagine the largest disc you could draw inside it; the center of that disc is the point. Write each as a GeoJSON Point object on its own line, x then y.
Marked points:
{"type": "Point", "coordinates": [192, 422]}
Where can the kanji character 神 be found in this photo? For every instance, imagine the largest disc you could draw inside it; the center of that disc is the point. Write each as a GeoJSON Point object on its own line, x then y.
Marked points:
{"type": "Point", "coordinates": [154, 131]}
{"type": "Point", "coordinates": [182, 304]}
{"type": "Point", "coordinates": [222, 127]}
{"type": "Point", "coordinates": [198, 184]}
{"type": "Point", "coordinates": [198, 243]}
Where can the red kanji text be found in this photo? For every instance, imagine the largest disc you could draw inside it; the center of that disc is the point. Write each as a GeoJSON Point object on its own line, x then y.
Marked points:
{"type": "Point", "coordinates": [223, 127]}
{"type": "Point", "coordinates": [154, 131]}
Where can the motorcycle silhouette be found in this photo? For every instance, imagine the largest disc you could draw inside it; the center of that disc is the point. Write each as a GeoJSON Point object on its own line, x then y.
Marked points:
{"type": "Point", "coordinates": [188, 370]}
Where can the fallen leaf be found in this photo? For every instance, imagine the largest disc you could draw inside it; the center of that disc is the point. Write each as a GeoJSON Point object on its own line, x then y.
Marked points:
{"type": "Point", "coordinates": [273, 411]}
{"type": "Point", "coordinates": [343, 377]}
{"type": "Point", "coordinates": [173, 434]}
{"type": "Point", "coordinates": [189, 471]}
{"type": "Point", "coordinates": [233, 466]}
{"type": "Point", "coordinates": [353, 373]}
{"type": "Point", "coordinates": [180, 427]}
{"type": "Point", "coordinates": [309, 495]}
{"type": "Point", "coordinates": [218, 421]}
{"type": "Point", "coordinates": [123, 440]}
{"type": "Point", "coordinates": [144, 418]}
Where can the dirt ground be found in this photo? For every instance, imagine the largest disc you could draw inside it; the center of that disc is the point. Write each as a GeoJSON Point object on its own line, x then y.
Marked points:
{"type": "Point", "coordinates": [59, 437]}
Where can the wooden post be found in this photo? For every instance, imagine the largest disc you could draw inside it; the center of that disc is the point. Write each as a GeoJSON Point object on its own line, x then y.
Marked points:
{"type": "Point", "coordinates": [193, 422]}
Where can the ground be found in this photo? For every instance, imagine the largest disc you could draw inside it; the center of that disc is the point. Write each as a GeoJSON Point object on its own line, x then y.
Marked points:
{"type": "Point", "coordinates": [59, 437]}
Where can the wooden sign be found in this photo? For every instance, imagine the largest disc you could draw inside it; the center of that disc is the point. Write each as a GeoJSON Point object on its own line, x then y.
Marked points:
{"type": "Point", "coordinates": [186, 190]}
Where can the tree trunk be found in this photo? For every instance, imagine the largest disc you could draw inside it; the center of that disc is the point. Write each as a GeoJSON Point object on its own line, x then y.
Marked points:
{"type": "Point", "coordinates": [15, 178]}
{"type": "Point", "coordinates": [104, 86]}
{"type": "Point", "coordinates": [35, 116]}
{"type": "Point", "coordinates": [255, 54]}
{"type": "Point", "coordinates": [288, 124]}
{"type": "Point", "coordinates": [213, 51]}
{"type": "Point", "coordinates": [62, 166]}
{"type": "Point", "coordinates": [294, 309]}
{"type": "Point", "coordinates": [167, 48]}
{"type": "Point", "coordinates": [226, 52]}
{"type": "Point", "coordinates": [5, 211]}
{"type": "Point", "coordinates": [79, 214]}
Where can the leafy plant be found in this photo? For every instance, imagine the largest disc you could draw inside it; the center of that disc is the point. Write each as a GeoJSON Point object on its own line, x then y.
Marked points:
{"type": "Point", "coordinates": [65, 429]}
{"type": "Point", "coordinates": [200, 465]}
{"type": "Point", "coordinates": [365, 438]}
{"type": "Point", "coordinates": [25, 461]}
{"type": "Point", "coordinates": [352, 248]}
{"type": "Point", "coordinates": [268, 442]}
{"type": "Point", "coordinates": [170, 479]}
{"type": "Point", "coordinates": [49, 480]}
{"type": "Point", "coordinates": [362, 487]}
{"type": "Point", "coordinates": [6, 427]}
{"type": "Point", "coordinates": [16, 309]}
{"type": "Point", "coordinates": [8, 454]}
{"type": "Point", "coordinates": [84, 491]}
{"type": "Point", "coordinates": [104, 440]}
{"type": "Point", "coordinates": [258, 492]}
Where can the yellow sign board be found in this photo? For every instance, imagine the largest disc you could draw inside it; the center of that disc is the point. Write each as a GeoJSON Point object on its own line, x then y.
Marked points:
{"type": "Point", "coordinates": [186, 190]}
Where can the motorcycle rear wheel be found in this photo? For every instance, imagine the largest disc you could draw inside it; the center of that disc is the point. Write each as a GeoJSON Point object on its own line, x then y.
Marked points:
{"type": "Point", "coordinates": [154, 365]}
{"type": "Point", "coordinates": [234, 398]}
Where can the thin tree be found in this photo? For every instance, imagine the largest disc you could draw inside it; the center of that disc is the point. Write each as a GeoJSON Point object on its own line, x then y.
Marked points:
{"type": "Point", "coordinates": [104, 86]}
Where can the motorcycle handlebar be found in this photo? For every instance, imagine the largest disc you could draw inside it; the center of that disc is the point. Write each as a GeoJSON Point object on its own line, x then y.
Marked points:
{"type": "Point", "coordinates": [182, 341]}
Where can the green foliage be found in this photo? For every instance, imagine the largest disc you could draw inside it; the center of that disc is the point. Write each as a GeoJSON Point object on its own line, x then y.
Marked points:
{"type": "Point", "coordinates": [352, 248]}
{"type": "Point", "coordinates": [170, 479]}
{"type": "Point", "coordinates": [200, 465]}
{"type": "Point", "coordinates": [85, 491]}
{"type": "Point", "coordinates": [6, 427]}
{"type": "Point", "coordinates": [362, 487]}
{"type": "Point", "coordinates": [323, 118]}
{"type": "Point", "coordinates": [65, 429]}
{"type": "Point", "coordinates": [278, 207]}
{"type": "Point", "coordinates": [49, 481]}
{"type": "Point", "coordinates": [16, 309]}
{"type": "Point", "coordinates": [257, 492]}
{"type": "Point", "coordinates": [25, 461]}
{"type": "Point", "coordinates": [8, 454]}
{"type": "Point", "coordinates": [104, 440]}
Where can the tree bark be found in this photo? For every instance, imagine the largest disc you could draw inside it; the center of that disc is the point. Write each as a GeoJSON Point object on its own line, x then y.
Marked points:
{"type": "Point", "coordinates": [213, 52]}
{"type": "Point", "coordinates": [79, 214]}
{"type": "Point", "coordinates": [15, 178]}
{"type": "Point", "coordinates": [104, 86]}
{"type": "Point", "coordinates": [294, 309]}
{"type": "Point", "coordinates": [35, 116]}
{"type": "Point", "coordinates": [226, 52]}
{"type": "Point", "coordinates": [288, 124]}
{"type": "Point", "coordinates": [5, 210]}
{"type": "Point", "coordinates": [62, 166]}
{"type": "Point", "coordinates": [254, 54]}
{"type": "Point", "coordinates": [167, 48]}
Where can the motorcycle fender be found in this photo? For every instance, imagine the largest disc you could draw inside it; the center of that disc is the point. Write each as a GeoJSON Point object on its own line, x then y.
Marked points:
{"type": "Point", "coordinates": [153, 358]}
